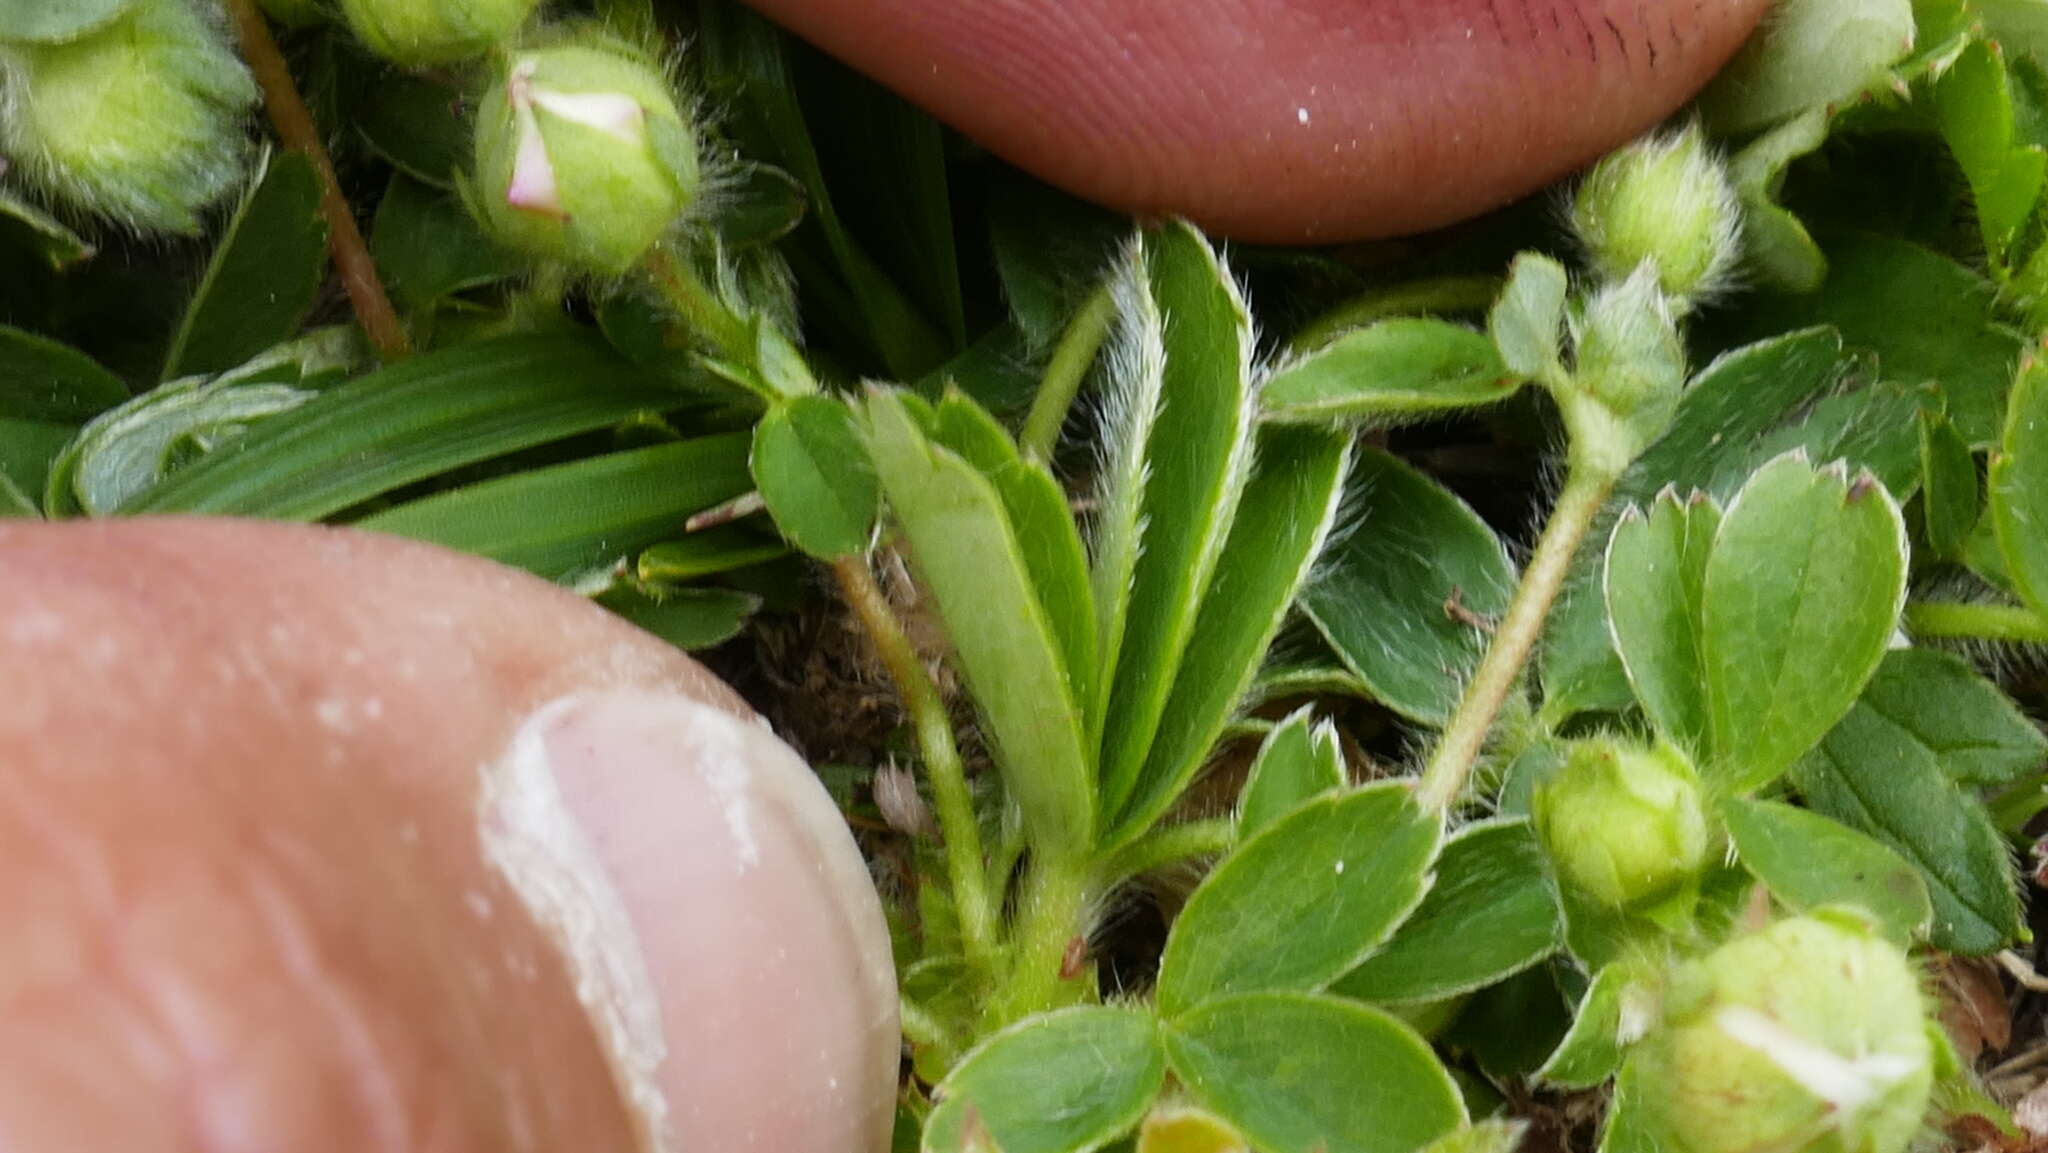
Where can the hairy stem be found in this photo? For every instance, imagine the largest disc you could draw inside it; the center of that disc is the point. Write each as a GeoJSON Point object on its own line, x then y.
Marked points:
{"type": "Point", "coordinates": [1982, 622]}
{"type": "Point", "coordinates": [699, 308]}
{"type": "Point", "coordinates": [1064, 372]}
{"type": "Point", "coordinates": [1437, 294]}
{"type": "Point", "coordinates": [1050, 920]}
{"type": "Point", "coordinates": [1169, 845]}
{"type": "Point", "coordinates": [934, 728]}
{"type": "Point", "coordinates": [1585, 490]}
{"type": "Point", "coordinates": [294, 125]}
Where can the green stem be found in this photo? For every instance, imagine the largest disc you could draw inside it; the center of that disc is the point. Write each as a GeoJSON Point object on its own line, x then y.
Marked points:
{"type": "Point", "coordinates": [1585, 490]}
{"type": "Point", "coordinates": [1984, 622]}
{"type": "Point", "coordinates": [1437, 294]}
{"type": "Point", "coordinates": [1049, 917]}
{"type": "Point", "coordinates": [1064, 373]}
{"type": "Point", "coordinates": [934, 727]}
{"type": "Point", "coordinates": [700, 308]}
{"type": "Point", "coordinates": [1166, 846]}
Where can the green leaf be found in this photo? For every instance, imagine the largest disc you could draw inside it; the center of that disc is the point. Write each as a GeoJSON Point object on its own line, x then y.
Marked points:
{"type": "Point", "coordinates": [1489, 915]}
{"type": "Point", "coordinates": [1615, 1010]}
{"type": "Point", "coordinates": [1976, 733]}
{"type": "Point", "coordinates": [1297, 760]}
{"type": "Point", "coordinates": [1307, 1074]}
{"type": "Point", "coordinates": [1396, 369]}
{"type": "Point", "coordinates": [1045, 530]}
{"type": "Point", "coordinates": [57, 244]}
{"type": "Point", "coordinates": [1528, 318]}
{"type": "Point", "coordinates": [687, 618]}
{"type": "Point", "coordinates": [2019, 487]}
{"type": "Point", "coordinates": [1281, 522]}
{"type": "Point", "coordinates": [432, 413]}
{"type": "Point", "coordinates": [42, 380]}
{"type": "Point", "coordinates": [1388, 590]}
{"type": "Point", "coordinates": [1493, 1135]}
{"type": "Point", "coordinates": [1810, 54]}
{"type": "Point", "coordinates": [762, 205]}
{"type": "Point", "coordinates": [1509, 1028]}
{"type": "Point", "coordinates": [1728, 409]}
{"type": "Point", "coordinates": [1973, 104]}
{"type": "Point", "coordinates": [968, 557]}
{"type": "Point", "coordinates": [1802, 594]}
{"type": "Point", "coordinates": [1656, 566]}
{"type": "Point", "coordinates": [1304, 901]}
{"type": "Point", "coordinates": [812, 469]}
{"type": "Point", "coordinates": [1068, 1081]}
{"type": "Point", "coordinates": [572, 519]}
{"type": "Point", "coordinates": [1050, 250]}
{"type": "Point", "coordinates": [1875, 775]}
{"type": "Point", "coordinates": [1950, 499]}
{"type": "Point", "coordinates": [1198, 452]}
{"type": "Point", "coordinates": [707, 553]}
{"type": "Point", "coordinates": [27, 450]}
{"type": "Point", "coordinates": [129, 449]}
{"type": "Point", "coordinates": [54, 21]}
{"type": "Point", "coordinates": [419, 122]}
{"type": "Point", "coordinates": [429, 248]}
{"type": "Point", "coordinates": [264, 274]}
{"type": "Point", "coordinates": [1808, 860]}
{"type": "Point", "coordinates": [1776, 246]}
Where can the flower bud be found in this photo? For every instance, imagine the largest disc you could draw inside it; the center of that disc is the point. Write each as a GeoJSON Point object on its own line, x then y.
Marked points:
{"type": "Point", "coordinates": [1665, 200]}
{"type": "Point", "coordinates": [422, 33]}
{"type": "Point", "coordinates": [1810, 1035]}
{"type": "Point", "coordinates": [1623, 825]}
{"type": "Point", "coordinates": [138, 119]}
{"type": "Point", "coordinates": [582, 156]}
{"type": "Point", "coordinates": [1627, 374]}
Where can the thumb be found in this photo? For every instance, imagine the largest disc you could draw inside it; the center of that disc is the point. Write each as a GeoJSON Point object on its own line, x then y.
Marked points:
{"type": "Point", "coordinates": [322, 841]}
{"type": "Point", "coordinates": [1297, 120]}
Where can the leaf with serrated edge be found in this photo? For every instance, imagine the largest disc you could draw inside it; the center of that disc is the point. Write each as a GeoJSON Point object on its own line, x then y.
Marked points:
{"type": "Point", "coordinates": [1304, 901]}
{"type": "Point", "coordinates": [1490, 914]}
{"type": "Point", "coordinates": [1068, 1081]}
{"type": "Point", "coordinates": [1977, 735]}
{"type": "Point", "coordinates": [962, 545]}
{"type": "Point", "coordinates": [1299, 1073]}
{"type": "Point", "coordinates": [1298, 760]}
{"type": "Point", "coordinates": [1802, 594]}
{"type": "Point", "coordinates": [1656, 565]}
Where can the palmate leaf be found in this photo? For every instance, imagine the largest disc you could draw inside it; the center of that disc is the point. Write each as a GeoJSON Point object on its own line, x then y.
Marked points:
{"type": "Point", "coordinates": [1198, 453]}
{"type": "Point", "coordinates": [965, 552]}
{"type": "Point", "coordinates": [1068, 1081]}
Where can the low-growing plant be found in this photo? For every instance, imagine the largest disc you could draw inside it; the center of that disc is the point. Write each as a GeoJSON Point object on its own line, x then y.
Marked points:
{"type": "Point", "coordinates": [1682, 805]}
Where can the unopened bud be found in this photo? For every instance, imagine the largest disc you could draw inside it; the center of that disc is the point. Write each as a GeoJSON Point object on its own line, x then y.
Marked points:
{"type": "Point", "coordinates": [1627, 374]}
{"type": "Point", "coordinates": [1666, 201]}
{"type": "Point", "coordinates": [1624, 825]}
{"type": "Point", "coordinates": [1808, 1036]}
{"type": "Point", "coordinates": [583, 156]}
{"type": "Point", "coordinates": [138, 120]}
{"type": "Point", "coordinates": [422, 33]}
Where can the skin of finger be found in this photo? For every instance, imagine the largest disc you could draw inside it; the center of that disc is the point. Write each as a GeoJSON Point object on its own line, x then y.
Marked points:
{"type": "Point", "coordinates": [1290, 121]}
{"type": "Point", "coordinates": [238, 840]}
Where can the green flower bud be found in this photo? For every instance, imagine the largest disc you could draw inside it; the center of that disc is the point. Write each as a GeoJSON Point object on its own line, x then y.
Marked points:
{"type": "Point", "coordinates": [1627, 374]}
{"type": "Point", "coordinates": [138, 120]}
{"type": "Point", "coordinates": [1624, 825]}
{"type": "Point", "coordinates": [1665, 200]}
{"type": "Point", "coordinates": [422, 33]}
{"type": "Point", "coordinates": [1808, 1037]}
{"type": "Point", "coordinates": [582, 156]}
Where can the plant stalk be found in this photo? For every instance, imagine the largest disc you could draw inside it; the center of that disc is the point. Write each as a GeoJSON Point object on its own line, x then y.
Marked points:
{"type": "Point", "coordinates": [294, 125]}
{"type": "Point", "coordinates": [1064, 373]}
{"type": "Point", "coordinates": [1585, 490]}
{"type": "Point", "coordinates": [1166, 846]}
{"type": "Point", "coordinates": [700, 309]}
{"type": "Point", "coordinates": [1050, 914]}
{"type": "Point", "coordinates": [951, 797]}
{"type": "Point", "coordinates": [1978, 622]}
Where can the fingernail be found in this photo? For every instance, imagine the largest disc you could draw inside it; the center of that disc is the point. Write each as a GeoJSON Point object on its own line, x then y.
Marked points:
{"type": "Point", "coordinates": [720, 921]}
